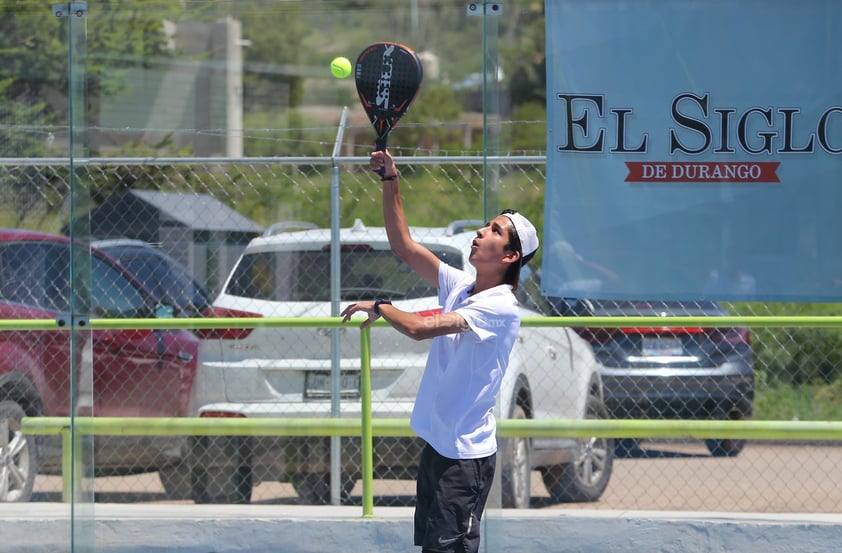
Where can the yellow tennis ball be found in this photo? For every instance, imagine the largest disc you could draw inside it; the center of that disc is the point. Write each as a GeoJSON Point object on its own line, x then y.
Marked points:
{"type": "Point", "coordinates": [340, 67]}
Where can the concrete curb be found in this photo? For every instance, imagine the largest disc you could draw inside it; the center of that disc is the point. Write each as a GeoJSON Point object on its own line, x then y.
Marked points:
{"type": "Point", "coordinates": [118, 528]}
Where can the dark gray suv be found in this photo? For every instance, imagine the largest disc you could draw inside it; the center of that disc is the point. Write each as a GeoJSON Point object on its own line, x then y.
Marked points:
{"type": "Point", "coordinates": [666, 373]}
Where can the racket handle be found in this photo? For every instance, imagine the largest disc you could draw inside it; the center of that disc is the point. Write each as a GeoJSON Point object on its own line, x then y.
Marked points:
{"type": "Point", "coordinates": [380, 146]}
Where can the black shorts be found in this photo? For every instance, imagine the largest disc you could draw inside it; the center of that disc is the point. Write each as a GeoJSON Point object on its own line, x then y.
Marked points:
{"type": "Point", "coordinates": [451, 495]}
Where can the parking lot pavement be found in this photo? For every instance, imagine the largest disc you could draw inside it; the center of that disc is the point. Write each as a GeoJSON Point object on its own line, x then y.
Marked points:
{"type": "Point", "coordinates": [126, 528]}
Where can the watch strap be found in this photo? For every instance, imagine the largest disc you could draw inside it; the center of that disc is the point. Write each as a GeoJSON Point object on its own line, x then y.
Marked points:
{"type": "Point", "coordinates": [377, 303]}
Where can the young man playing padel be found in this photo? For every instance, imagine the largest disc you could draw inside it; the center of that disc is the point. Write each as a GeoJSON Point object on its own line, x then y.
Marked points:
{"type": "Point", "coordinates": [472, 338]}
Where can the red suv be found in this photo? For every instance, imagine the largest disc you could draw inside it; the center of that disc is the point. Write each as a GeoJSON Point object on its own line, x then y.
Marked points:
{"type": "Point", "coordinates": [126, 373]}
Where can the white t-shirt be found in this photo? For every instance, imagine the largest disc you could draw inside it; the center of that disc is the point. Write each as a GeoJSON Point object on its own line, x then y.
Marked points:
{"type": "Point", "coordinates": [454, 407]}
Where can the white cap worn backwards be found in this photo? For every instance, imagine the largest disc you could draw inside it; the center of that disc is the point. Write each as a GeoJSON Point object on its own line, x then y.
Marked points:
{"type": "Point", "coordinates": [526, 233]}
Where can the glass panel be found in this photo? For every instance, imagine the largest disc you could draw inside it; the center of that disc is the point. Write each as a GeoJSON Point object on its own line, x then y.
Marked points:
{"type": "Point", "coordinates": [189, 113]}
{"type": "Point", "coordinates": [42, 84]}
{"type": "Point", "coordinates": [74, 18]}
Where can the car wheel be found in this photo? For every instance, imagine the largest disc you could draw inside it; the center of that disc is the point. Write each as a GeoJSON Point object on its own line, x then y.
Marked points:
{"type": "Point", "coordinates": [725, 448]}
{"type": "Point", "coordinates": [585, 478]}
{"type": "Point", "coordinates": [515, 478]}
{"type": "Point", "coordinates": [18, 456]}
{"type": "Point", "coordinates": [177, 481]}
{"type": "Point", "coordinates": [220, 470]}
{"type": "Point", "coordinates": [313, 488]}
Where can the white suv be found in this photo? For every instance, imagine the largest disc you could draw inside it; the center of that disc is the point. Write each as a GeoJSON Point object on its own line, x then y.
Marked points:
{"type": "Point", "coordinates": [286, 372]}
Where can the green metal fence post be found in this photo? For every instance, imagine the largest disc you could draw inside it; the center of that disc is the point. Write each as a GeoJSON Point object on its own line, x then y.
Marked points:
{"type": "Point", "coordinates": [366, 434]}
{"type": "Point", "coordinates": [67, 464]}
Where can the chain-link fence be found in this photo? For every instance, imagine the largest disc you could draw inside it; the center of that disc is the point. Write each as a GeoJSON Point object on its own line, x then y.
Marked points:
{"type": "Point", "coordinates": [252, 238]}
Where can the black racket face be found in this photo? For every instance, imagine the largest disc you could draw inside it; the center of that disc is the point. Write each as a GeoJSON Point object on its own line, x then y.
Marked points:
{"type": "Point", "coordinates": [388, 76]}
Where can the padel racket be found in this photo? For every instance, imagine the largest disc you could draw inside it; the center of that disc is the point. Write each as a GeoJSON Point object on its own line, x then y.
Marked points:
{"type": "Point", "coordinates": [388, 77]}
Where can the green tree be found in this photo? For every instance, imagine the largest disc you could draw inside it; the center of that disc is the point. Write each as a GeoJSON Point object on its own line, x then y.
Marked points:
{"type": "Point", "coordinates": [35, 69]}
{"type": "Point", "coordinates": [275, 33]}
{"type": "Point", "coordinates": [34, 63]}
{"type": "Point", "coordinates": [425, 125]}
{"type": "Point", "coordinates": [34, 84]}
{"type": "Point", "coordinates": [523, 51]}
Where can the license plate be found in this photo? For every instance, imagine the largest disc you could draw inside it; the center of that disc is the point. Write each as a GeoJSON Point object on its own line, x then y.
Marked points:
{"type": "Point", "coordinates": [662, 347]}
{"type": "Point", "coordinates": [318, 385]}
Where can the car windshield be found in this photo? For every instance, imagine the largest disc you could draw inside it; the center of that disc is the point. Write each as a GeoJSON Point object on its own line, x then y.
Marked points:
{"type": "Point", "coordinates": [166, 282]}
{"type": "Point", "coordinates": [367, 273]}
{"type": "Point", "coordinates": [530, 295]}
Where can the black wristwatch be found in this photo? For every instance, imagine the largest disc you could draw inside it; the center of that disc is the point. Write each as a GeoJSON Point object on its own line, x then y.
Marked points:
{"type": "Point", "coordinates": [378, 303]}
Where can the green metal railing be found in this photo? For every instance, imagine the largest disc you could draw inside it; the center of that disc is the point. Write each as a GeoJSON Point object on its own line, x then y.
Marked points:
{"type": "Point", "coordinates": [367, 427]}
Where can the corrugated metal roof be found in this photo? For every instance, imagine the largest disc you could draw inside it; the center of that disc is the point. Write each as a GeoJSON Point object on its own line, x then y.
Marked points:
{"type": "Point", "coordinates": [197, 211]}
